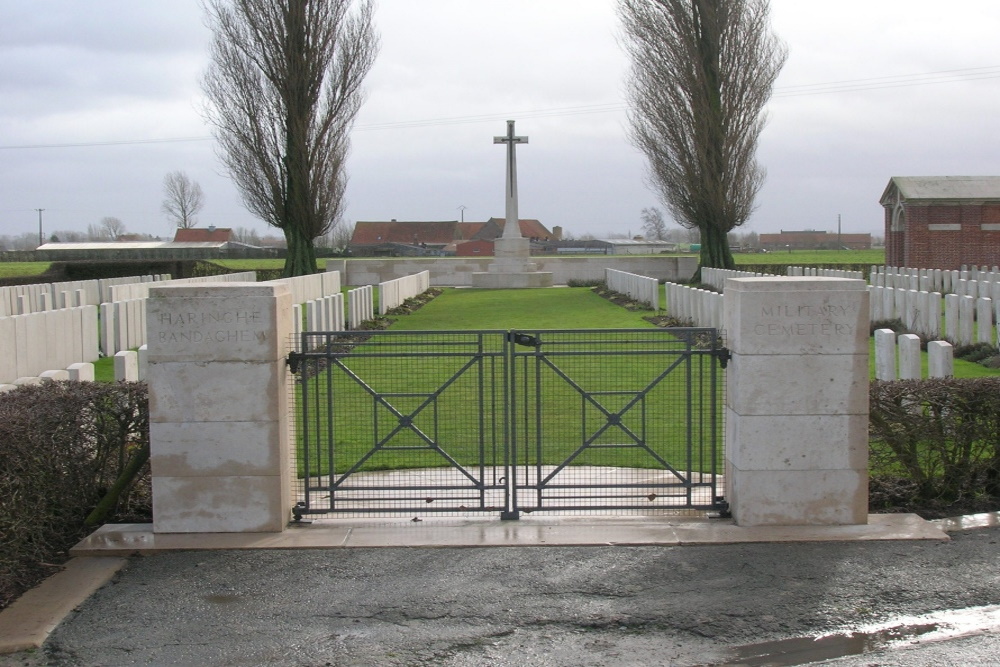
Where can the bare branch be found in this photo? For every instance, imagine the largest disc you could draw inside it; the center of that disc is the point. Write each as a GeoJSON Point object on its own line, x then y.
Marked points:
{"type": "Point", "coordinates": [111, 228]}
{"type": "Point", "coordinates": [182, 199]}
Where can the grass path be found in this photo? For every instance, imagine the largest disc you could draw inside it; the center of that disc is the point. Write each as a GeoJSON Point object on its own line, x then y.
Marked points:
{"type": "Point", "coordinates": [557, 308]}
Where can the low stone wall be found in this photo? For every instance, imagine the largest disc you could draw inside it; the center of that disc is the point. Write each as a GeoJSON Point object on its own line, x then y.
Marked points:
{"type": "Point", "coordinates": [457, 271]}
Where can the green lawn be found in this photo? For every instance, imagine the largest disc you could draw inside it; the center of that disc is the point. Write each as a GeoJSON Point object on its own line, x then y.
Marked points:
{"type": "Point", "coordinates": [580, 377]}
{"type": "Point", "coordinates": [800, 257]}
{"type": "Point", "coordinates": [23, 269]}
{"type": "Point", "coordinates": [557, 308]}
{"type": "Point", "coordinates": [252, 264]}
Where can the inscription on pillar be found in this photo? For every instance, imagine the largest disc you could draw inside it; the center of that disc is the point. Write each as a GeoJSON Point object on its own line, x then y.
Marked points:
{"type": "Point", "coordinates": [790, 321]}
{"type": "Point", "coordinates": [239, 326]}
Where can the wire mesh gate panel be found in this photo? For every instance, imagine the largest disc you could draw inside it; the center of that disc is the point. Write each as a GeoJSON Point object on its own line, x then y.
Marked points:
{"type": "Point", "coordinates": [615, 420]}
{"type": "Point", "coordinates": [404, 423]}
{"type": "Point", "coordinates": [401, 422]}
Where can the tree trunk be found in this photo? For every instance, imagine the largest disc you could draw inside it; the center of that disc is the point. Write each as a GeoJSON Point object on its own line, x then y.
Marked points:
{"type": "Point", "coordinates": [301, 259]}
{"type": "Point", "coordinates": [714, 250]}
{"type": "Point", "coordinates": [125, 479]}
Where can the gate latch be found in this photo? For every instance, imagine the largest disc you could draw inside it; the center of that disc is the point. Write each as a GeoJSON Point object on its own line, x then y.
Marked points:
{"type": "Point", "coordinates": [723, 355]}
{"type": "Point", "coordinates": [523, 339]}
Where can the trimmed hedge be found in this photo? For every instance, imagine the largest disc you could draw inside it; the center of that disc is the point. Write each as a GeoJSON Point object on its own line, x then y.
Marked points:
{"type": "Point", "coordinates": [939, 438]}
{"type": "Point", "coordinates": [63, 447]}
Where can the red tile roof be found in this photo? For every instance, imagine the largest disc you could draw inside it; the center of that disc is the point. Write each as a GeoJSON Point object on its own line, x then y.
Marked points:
{"type": "Point", "coordinates": [435, 233]}
{"type": "Point", "coordinates": [438, 232]}
{"type": "Point", "coordinates": [203, 235]}
{"type": "Point", "coordinates": [529, 228]}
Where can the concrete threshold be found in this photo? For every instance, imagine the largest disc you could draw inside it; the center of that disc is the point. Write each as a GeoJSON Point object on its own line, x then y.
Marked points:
{"type": "Point", "coordinates": [127, 539]}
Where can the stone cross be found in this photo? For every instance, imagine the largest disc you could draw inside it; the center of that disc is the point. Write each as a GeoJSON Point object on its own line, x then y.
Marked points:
{"type": "Point", "coordinates": [512, 227]}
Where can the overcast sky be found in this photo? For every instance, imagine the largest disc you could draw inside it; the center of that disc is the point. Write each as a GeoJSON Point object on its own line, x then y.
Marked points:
{"type": "Point", "coordinates": [100, 99]}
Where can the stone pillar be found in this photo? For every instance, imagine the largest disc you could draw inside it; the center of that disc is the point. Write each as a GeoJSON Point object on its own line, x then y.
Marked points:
{"type": "Point", "coordinates": [797, 401]}
{"type": "Point", "coordinates": [218, 407]}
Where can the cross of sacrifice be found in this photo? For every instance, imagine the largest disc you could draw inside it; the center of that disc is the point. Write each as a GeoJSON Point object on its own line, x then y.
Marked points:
{"type": "Point", "coordinates": [512, 228]}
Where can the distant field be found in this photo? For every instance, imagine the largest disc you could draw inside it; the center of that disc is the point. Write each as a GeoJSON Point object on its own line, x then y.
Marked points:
{"type": "Point", "coordinates": [19, 269]}
{"type": "Point", "coordinates": [798, 257]}
{"type": "Point", "coordinates": [250, 264]}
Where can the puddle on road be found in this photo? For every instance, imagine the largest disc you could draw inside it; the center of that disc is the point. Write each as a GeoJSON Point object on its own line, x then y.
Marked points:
{"type": "Point", "coordinates": [936, 627]}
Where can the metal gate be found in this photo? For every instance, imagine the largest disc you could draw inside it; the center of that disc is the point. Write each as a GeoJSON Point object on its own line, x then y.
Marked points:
{"type": "Point", "coordinates": [410, 423]}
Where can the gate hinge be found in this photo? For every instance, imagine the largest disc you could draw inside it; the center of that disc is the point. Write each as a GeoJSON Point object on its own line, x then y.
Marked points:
{"type": "Point", "coordinates": [293, 360]}
{"type": "Point", "coordinates": [523, 339]}
{"type": "Point", "coordinates": [722, 505]}
{"type": "Point", "coordinates": [723, 355]}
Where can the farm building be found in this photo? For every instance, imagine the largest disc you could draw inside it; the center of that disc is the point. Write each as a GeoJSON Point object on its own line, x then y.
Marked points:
{"type": "Point", "coordinates": [813, 240]}
{"type": "Point", "coordinates": [394, 238]}
{"type": "Point", "coordinates": [942, 222]}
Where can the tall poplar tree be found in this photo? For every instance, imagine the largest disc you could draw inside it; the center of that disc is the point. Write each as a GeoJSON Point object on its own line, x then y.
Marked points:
{"type": "Point", "coordinates": [284, 88]}
{"type": "Point", "coordinates": [702, 73]}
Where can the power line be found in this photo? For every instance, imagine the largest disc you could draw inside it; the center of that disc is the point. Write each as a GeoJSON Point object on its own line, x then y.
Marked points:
{"type": "Point", "coordinates": [796, 90]}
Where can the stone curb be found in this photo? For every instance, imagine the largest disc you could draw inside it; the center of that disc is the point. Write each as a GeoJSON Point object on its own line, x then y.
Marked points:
{"type": "Point", "coordinates": [26, 623]}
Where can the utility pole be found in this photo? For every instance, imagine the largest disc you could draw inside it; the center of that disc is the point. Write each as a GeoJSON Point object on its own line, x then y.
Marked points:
{"type": "Point", "coordinates": [41, 239]}
{"type": "Point", "coordinates": [840, 246]}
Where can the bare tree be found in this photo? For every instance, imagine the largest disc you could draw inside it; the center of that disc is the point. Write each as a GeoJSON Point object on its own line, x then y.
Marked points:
{"type": "Point", "coordinates": [246, 236]}
{"type": "Point", "coordinates": [284, 87]}
{"type": "Point", "coordinates": [340, 235]}
{"type": "Point", "coordinates": [182, 199]}
{"type": "Point", "coordinates": [111, 228]}
{"type": "Point", "coordinates": [653, 224]}
{"type": "Point", "coordinates": [702, 72]}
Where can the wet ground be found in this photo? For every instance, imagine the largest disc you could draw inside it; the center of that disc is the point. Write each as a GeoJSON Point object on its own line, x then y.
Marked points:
{"type": "Point", "coordinates": [613, 605]}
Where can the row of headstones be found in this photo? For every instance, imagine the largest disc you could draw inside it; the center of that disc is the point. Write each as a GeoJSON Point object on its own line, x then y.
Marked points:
{"type": "Point", "coordinates": [940, 357]}
{"type": "Point", "coordinates": [360, 306]}
{"type": "Point", "coordinates": [938, 280]}
{"type": "Point", "coordinates": [41, 297]}
{"type": "Point", "coordinates": [140, 290]}
{"type": "Point", "coordinates": [641, 288]}
{"type": "Point", "coordinates": [700, 307]}
{"type": "Point", "coordinates": [325, 314]}
{"type": "Point", "coordinates": [967, 319]}
{"type": "Point", "coordinates": [393, 293]}
{"type": "Point", "coordinates": [123, 322]}
{"type": "Point", "coordinates": [130, 366]}
{"type": "Point", "coordinates": [815, 272]}
{"type": "Point", "coordinates": [33, 343]}
{"type": "Point", "coordinates": [716, 278]}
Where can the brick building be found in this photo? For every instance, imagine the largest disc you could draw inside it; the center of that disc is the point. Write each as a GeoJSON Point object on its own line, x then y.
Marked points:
{"type": "Point", "coordinates": [942, 222]}
{"type": "Point", "coordinates": [813, 240]}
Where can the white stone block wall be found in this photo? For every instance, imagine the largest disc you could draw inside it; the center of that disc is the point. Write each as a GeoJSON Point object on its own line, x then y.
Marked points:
{"type": "Point", "coordinates": [641, 288]}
